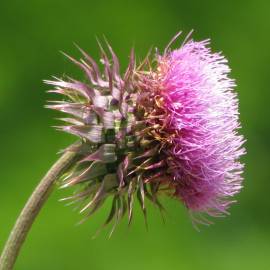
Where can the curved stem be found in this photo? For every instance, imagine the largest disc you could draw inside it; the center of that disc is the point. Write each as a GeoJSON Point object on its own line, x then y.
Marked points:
{"type": "Point", "coordinates": [31, 210]}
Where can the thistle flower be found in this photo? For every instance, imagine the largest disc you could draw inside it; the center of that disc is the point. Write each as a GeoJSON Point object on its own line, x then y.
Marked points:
{"type": "Point", "coordinates": [167, 126]}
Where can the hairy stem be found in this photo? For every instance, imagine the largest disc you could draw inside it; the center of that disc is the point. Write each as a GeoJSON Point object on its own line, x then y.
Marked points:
{"type": "Point", "coordinates": [31, 210]}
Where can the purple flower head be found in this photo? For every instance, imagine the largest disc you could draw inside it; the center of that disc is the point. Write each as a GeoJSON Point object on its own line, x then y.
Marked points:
{"type": "Point", "coordinates": [169, 128]}
{"type": "Point", "coordinates": [198, 112]}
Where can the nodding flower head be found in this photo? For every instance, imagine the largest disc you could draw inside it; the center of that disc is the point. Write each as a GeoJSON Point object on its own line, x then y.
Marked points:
{"type": "Point", "coordinates": [167, 126]}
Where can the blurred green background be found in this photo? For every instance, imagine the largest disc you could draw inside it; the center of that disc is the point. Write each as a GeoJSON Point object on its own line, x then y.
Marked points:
{"type": "Point", "coordinates": [32, 33]}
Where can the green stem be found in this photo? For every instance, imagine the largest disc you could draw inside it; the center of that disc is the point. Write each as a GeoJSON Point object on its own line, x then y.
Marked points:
{"type": "Point", "coordinates": [31, 210]}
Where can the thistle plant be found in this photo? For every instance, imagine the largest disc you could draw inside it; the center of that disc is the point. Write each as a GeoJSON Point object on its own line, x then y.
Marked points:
{"type": "Point", "coordinates": [167, 126]}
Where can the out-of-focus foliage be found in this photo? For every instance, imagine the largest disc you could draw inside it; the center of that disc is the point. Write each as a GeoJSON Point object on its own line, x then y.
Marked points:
{"type": "Point", "coordinates": [32, 33]}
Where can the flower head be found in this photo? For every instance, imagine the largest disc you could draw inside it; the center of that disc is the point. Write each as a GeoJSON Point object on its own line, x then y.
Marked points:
{"type": "Point", "coordinates": [163, 128]}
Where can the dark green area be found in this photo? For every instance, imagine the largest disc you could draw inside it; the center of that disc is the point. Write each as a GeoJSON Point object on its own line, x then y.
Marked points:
{"type": "Point", "coordinates": [32, 33]}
